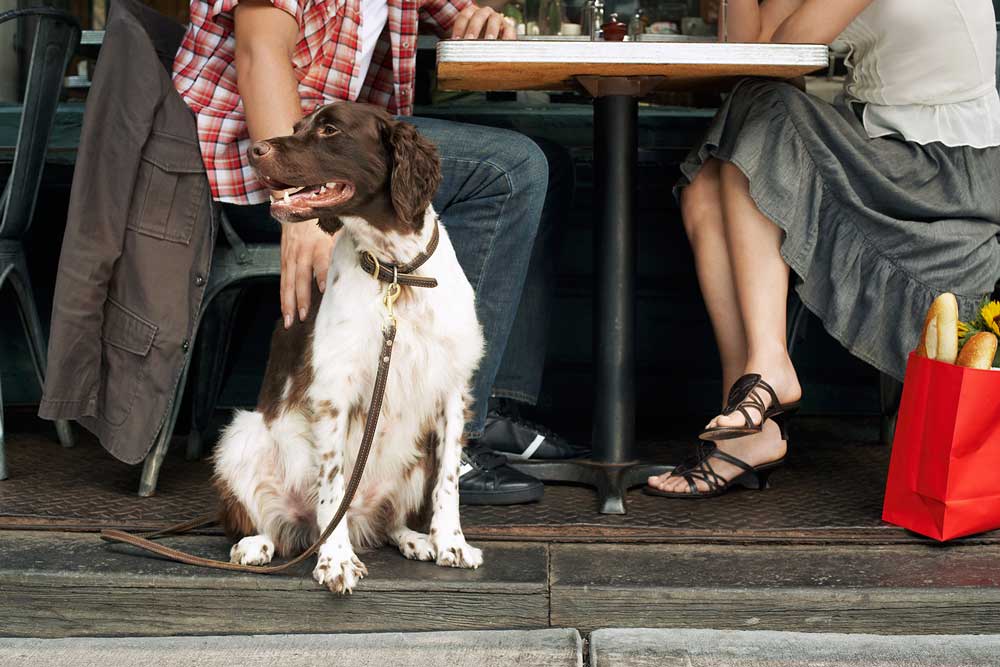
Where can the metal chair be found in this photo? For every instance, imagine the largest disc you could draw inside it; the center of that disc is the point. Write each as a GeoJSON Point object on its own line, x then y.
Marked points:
{"type": "Point", "coordinates": [233, 268]}
{"type": "Point", "coordinates": [57, 35]}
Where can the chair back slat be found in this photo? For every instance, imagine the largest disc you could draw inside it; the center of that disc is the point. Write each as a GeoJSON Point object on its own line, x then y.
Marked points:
{"type": "Point", "coordinates": [57, 35]}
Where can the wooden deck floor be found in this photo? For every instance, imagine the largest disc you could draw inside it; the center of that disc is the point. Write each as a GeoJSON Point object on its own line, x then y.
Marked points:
{"type": "Point", "coordinates": [70, 584]}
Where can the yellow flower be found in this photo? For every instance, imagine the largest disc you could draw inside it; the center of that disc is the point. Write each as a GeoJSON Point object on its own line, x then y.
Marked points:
{"type": "Point", "coordinates": [963, 329]}
{"type": "Point", "coordinates": [991, 315]}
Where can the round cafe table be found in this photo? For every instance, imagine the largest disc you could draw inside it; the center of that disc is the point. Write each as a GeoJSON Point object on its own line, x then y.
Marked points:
{"type": "Point", "coordinates": [616, 75]}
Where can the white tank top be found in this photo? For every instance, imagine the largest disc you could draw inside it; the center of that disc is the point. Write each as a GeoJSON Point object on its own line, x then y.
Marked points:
{"type": "Point", "coordinates": [926, 70]}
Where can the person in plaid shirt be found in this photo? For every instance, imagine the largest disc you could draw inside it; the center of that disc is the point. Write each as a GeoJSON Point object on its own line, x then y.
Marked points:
{"type": "Point", "coordinates": [249, 69]}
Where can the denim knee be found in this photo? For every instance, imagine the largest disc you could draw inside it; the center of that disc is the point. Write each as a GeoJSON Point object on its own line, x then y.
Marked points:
{"type": "Point", "coordinates": [526, 167]}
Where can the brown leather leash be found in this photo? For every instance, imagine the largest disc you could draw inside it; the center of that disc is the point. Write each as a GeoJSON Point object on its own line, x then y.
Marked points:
{"type": "Point", "coordinates": [394, 278]}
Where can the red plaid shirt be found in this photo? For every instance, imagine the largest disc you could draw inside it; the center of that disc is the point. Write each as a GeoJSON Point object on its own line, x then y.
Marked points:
{"type": "Point", "coordinates": [324, 61]}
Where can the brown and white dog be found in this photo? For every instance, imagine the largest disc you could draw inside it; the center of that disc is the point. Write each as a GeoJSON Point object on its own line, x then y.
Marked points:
{"type": "Point", "coordinates": [281, 469]}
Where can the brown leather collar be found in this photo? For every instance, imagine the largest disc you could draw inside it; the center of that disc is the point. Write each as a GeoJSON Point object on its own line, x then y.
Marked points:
{"type": "Point", "coordinates": [390, 273]}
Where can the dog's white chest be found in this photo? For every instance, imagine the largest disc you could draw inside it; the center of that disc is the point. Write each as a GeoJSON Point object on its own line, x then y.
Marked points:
{"type": "Point", "coordinates": [437, 346]}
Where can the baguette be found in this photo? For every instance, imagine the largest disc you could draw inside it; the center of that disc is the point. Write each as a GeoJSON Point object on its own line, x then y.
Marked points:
{"type": "Point", "coordinates": [979, 351]}
{"type": "Point", "coordinates": [939, 339]}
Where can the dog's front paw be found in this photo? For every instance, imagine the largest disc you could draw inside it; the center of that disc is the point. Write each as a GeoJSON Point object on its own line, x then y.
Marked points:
{"type": "Point", "coordinates": [458, 553]}
{"type": "Point", "coordinates": [417, 546]}
{"type": "Point", "coordinates": [339, 573]}
{"type": "Point", "coordinates": [256, 550]}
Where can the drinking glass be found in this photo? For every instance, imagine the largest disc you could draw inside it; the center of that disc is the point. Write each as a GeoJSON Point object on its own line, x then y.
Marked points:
{"type": "Point", "coordinates": [723, 15]}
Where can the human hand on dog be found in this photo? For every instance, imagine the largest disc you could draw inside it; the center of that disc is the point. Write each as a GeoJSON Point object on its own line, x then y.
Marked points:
{"type": "Point", "coordinates": [481, 23]}
{"type": "Point", "coordinates": [305, 252]}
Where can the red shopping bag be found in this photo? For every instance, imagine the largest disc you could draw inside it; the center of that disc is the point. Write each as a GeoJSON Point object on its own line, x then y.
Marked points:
{"type": "Point", "coordinates": [944, 475]}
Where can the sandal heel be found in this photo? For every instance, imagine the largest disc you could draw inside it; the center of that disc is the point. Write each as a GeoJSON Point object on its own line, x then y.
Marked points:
{"type": "Point", "coordinates": [754, 481]}
{"type": "Point", "coordinates": [782, 419]}
{"type": "Point", "coordinates": [763, 478]}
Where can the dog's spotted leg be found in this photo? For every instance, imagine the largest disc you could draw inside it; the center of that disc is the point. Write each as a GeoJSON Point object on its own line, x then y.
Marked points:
{"type": "Point", "coordinates": [413, 545]}
{"type": "Point", "coordinates": [337, 567]}
{"type": "Point", "coordinates": [254, 550]}
{"type": "Point", "coordinates": [446, 527]}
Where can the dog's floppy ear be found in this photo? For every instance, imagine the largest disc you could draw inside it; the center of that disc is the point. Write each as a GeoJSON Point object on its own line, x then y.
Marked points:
{"type": "Point", "coordinates": [416, 172]}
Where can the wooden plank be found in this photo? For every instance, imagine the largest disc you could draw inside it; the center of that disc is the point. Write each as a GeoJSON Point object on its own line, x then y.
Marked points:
{"type": "Point", "coordinates": [539, 65]}
{"type": "Point", "coordinates": [883, 590]}
{"type": "Point", "coordinates": [47, 610]}
{"type": "Point", "coordinates": [58, 585]}
{"type": "Point", "coordinates": [498, 648]}
{"type": "Point", "coordinates": [720, 648]}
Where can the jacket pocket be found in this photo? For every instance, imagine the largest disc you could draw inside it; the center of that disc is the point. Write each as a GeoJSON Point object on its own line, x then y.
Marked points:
{"type": "Point", "coordinates": [169, 189]}
{"type": "Point", "coordinates": [126, 340]}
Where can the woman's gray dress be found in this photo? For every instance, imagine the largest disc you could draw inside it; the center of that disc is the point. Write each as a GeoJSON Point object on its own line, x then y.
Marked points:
{"type": "Point", "coordinates": [874, 228]}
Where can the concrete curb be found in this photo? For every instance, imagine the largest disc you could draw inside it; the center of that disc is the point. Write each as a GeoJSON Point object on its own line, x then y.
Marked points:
{"type": "Point", "coordinates": [541, 648]}
{"type": "Point", "coordinates": [727, 648]}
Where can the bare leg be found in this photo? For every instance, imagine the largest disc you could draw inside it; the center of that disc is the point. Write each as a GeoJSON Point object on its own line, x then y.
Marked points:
{"type": "Point", "coordinates": [701, 208]}
{"type": "Point", "coordinates": [757, 289]}
{"type": "Point", "coordinates": [761, 278]}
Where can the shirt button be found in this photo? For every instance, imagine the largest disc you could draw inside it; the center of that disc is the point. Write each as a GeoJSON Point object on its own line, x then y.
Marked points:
{"type": "Point", "coordinates": [406, 45]}
{"type": "Point", "coordinates": [199, 280]}
{"type": "Point", "coordinates": [186, 345]}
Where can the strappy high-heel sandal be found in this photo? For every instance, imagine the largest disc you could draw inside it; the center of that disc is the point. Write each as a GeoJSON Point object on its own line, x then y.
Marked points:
{"type": "Point", "coordinates": [743, 398]}
{"type": "Point", "coordinates": [751, 477]}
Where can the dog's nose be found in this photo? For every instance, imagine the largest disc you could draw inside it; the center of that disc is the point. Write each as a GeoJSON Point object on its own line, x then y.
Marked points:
{"type": "Point", "coordinates": [260, 149]}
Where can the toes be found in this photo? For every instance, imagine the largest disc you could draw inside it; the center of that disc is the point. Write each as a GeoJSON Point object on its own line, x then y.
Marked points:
{"type": "Point", "coordinates": [727, 420]}
{"type": "Point", "coordinates": [339, 577]}
{"type": "Point", "coordinates": [417, 549]}
{"type": "Point", "coordinates": [252, 551]}
{"type": "Point", "coordinates": [660, 482]}
{"type": "Point", "coordinates": [460, 555]}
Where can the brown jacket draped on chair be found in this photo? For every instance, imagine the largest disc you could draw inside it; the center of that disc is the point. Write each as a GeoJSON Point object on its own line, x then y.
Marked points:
{"type": "Point", "coordinates": [138, 243]}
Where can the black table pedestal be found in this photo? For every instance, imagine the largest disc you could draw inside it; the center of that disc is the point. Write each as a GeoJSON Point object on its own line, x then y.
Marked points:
{"type": "Point", "coordinates": [610, 481]}
{"type": "Point", "coordinates": [613, 467]}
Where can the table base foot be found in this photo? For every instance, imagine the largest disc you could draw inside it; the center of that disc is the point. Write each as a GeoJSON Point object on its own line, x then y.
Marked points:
{"type": "Point", "coordinates": [609, 480]}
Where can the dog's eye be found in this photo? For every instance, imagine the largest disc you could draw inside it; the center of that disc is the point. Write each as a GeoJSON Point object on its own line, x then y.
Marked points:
{"type": "Point", "coordinates": [328, 130]}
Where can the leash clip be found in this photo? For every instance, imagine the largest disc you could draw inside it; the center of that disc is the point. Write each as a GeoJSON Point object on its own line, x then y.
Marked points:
{"type": "Point", "coordinates": [392, 292]}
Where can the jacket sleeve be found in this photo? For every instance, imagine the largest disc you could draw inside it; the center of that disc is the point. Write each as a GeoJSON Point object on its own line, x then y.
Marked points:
{"type": "Point", "coordinates": [439, 15]}
{"type": "Point", "coordinates": [121, 106]}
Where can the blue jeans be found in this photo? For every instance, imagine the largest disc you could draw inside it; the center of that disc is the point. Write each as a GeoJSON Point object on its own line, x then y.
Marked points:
{"type": "Point", "coordinates": [493, 188]}
{"type": "Point", "coordinates": [520, 374]}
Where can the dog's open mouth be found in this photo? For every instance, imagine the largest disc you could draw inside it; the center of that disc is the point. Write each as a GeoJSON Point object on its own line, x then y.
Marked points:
{"type": "Point", "coordinates": [301, 199]}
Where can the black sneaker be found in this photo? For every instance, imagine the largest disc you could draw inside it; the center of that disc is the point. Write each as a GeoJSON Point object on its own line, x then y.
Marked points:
{"type": "Point", "coordinates": [518, 439]}
{"type": "Point", "coordinates": [486, 479]}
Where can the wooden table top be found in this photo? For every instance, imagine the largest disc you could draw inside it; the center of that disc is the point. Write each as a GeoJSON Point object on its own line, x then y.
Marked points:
{"type": "Point", "coordinates": [554, 65]}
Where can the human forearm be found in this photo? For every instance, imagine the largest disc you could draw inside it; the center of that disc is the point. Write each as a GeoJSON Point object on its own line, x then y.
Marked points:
{"type": "Point", "coordinates": [269, 90]}
{"type": "Point", "coordinates": [265, 38]}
